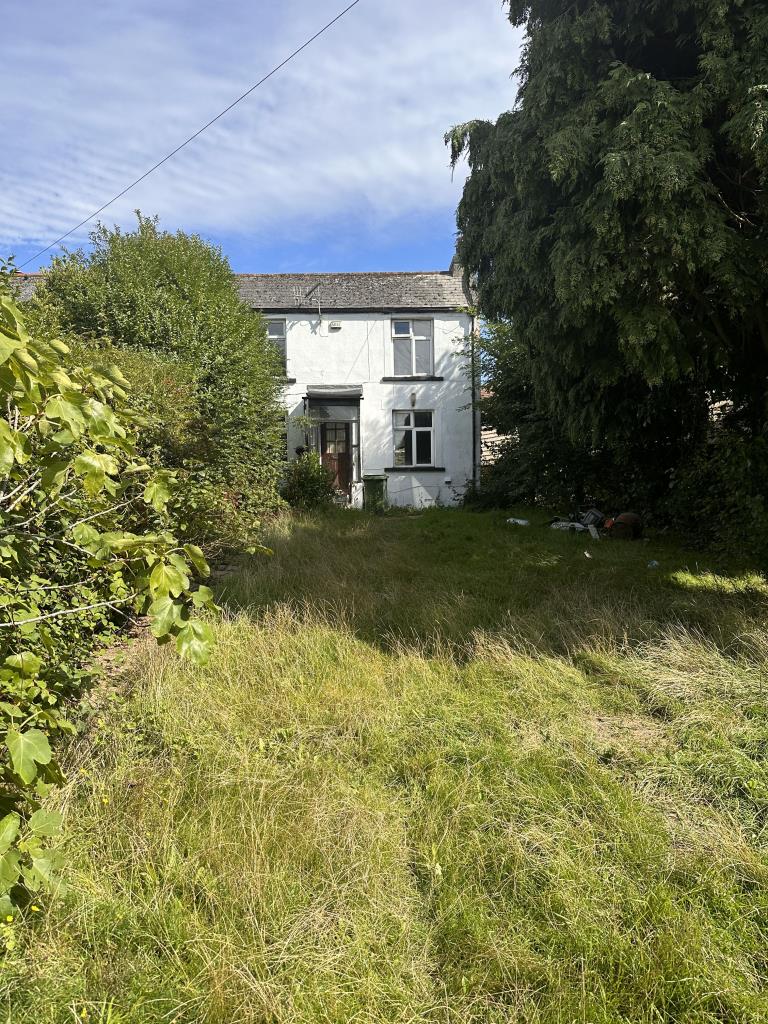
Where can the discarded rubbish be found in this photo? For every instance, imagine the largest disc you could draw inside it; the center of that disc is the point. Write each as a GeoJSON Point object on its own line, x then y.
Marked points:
{"type": "Point", "coordinates": [588, 555]}
{"type": "Point", "coordinates": [627, 526]}
{"type": "Point", "coordinates": [591, 520]}
{"type": "Point", "coordinates": [653, 564]}
{"type": "Point", "coordinates": [519, 522]}
{"type": "Point", "coordinates": [594, 517]}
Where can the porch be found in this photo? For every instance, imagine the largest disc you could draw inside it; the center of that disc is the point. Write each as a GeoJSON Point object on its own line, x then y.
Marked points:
{"type": "Point", "coordinates": [332, 414]}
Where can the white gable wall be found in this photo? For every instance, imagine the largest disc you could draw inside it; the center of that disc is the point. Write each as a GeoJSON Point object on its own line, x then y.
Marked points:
{"type": "Point", "coordinates": [361, 354]}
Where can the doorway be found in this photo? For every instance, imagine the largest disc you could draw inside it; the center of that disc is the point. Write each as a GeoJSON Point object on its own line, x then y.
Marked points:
{"type": "Point", "coordinates": [336, 453]}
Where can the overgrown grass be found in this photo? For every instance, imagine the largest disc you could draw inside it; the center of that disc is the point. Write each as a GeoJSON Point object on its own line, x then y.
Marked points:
{"type": "Point", "coordinates": [440, 771]}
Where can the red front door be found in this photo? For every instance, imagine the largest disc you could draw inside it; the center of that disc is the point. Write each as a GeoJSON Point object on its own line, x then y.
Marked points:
{"type": "Point", "coordinates": [336, 453]}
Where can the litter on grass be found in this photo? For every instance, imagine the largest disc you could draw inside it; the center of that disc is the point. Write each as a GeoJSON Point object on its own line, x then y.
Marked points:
{"type": "Point", "coordinates": [519, 522]}
{"type": "Point", "coordinates": [566, 524]}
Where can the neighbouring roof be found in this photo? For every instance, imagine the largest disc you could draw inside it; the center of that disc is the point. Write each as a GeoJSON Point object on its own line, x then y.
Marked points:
{"type": "Point", "coordinates": [27, 284]}
{"type": "Point", "coordinates": [414, 291]}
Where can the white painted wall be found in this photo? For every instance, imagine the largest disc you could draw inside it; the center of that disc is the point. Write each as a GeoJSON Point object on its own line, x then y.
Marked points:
{"type": "Point", "coordinates": [361, 354]}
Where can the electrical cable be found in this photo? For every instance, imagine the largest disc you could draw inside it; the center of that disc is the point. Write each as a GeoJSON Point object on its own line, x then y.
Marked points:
{"type": "Point", "coordinates": [200, 131]}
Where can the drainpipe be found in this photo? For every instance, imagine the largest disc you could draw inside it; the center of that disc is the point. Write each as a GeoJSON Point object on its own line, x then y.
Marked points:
{"type": "Point", "coordinates": [307, 438]}
{"type": "Point", "coordinates": [475, 414]}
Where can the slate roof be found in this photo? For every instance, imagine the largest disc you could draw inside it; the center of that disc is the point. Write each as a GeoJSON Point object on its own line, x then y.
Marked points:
{"type": "Point", "coordinates": [380, 292]}
{"type": "Point", "coordinates": [400, 292]}
{"type": "Point", "coordinates": [26, 284]}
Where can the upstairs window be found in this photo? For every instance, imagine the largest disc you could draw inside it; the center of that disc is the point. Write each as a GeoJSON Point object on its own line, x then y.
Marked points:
{"type": "Point", "coordinates": [276, 334]}
{"type": "Point", "coordinates": [414, 438]}
{"type": "Point", "coordinates": [412, 348]}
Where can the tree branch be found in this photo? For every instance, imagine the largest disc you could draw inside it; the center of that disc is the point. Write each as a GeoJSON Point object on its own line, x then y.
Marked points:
{"type": "Point", "coordinates": [69, 611]}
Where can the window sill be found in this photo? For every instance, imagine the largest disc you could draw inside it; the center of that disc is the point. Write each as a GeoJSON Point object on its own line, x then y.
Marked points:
{"type": "Point", "coordinates": [415, 469]}
{"type": "Point", "coordinates": [407, 380]}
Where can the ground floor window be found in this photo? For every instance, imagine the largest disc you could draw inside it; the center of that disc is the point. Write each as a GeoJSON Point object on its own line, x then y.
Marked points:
{"type": "Point", "coordinates": [414, 438]}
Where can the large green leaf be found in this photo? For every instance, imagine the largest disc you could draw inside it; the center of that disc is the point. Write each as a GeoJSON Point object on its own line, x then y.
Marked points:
{"type": "Point", "coordinates": [195, 640]}
{"type": "Point", "coordinates": [9, 829]}
{"type": "Point", "coordinates": [66, 412]}
{"type": "Point", "coordinates": [25, 662]}
{"type": "Point", "coordinates": [197, 558]}
{"type": "Point", "coordinates": [164, 614]}
{"type": "Point", "coordinates": [202, 597]}
{"type": "Point", "coordinates": [54, 474]}
{"type": "Point", "coordinates": [10, 866]}
{"type": "Point", "coordinates": [45, 823]}
{"type": "Point", "coordinates": [7, 347]}
{"type": "Point", "coordinates": [13, 448]}
{"type": "Point", "coordinates": [94, 468]}
{"type": "Point", "coordinates": [28, 750]}
{"type": "Point", "coordinates": [158, 491]}
{"type": "Point", "coordinates": [166, 579]}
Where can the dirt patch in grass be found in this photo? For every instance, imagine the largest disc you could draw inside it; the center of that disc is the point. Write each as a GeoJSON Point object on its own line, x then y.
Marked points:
{"type": "Point", "coordinates": [628, 732]}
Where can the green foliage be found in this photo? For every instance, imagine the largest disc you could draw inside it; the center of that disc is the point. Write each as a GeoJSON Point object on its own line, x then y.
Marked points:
{"type": "Point", "coordinates": [617, 218]}
{"type": "Point", "coordinates": [718, 496]}
{"type": "Point", "coordinates": [628, 465]}
{"type": "Point", "coordinates": [308, 483]}
{"type": "Point", "coordinates": [84, 543]}
{"type": "Point", "coordinates": [163, 307]}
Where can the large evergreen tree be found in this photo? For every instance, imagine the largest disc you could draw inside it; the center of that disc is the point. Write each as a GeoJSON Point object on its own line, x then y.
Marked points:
{"type": "Point", "coordinates": [618, 214]}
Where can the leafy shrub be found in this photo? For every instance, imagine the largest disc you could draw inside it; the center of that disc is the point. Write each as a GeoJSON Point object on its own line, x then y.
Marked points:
{"type": "Point", "coordinates": [165, 391]}
{"type": "Point", "coordinates": [719, 496]}
{"type": "Point", "coordinates": [83, 543]}
{"type": "Point", "coordinates": [164, 308]}
{"type": "Point", "coordinates": [542, 461]}
{"type": "Point", "coordinates": [308, 483]}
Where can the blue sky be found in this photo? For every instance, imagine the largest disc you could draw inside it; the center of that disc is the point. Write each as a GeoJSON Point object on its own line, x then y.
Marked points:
{"type": "Point", "coordinates": [337, 163]}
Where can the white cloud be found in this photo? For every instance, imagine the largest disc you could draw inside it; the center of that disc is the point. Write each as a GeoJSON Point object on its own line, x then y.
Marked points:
{"type": "Point", "coordinates": [353, 127]}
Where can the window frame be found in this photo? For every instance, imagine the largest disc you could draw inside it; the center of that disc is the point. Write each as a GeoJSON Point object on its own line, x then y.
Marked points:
{"type": "Point", "coordinates": [413, 338]}
{"type": "Point", "coordinates": [414, 430]}
{"type": "Point", "coordinates": [284, 339]}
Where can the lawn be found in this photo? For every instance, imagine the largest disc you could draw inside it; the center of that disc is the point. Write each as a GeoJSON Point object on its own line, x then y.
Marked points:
{"type": "Point", "coordinates": [440, 770]}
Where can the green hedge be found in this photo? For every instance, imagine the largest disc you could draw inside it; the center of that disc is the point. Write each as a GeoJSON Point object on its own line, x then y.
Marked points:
{"type": "Point", "coordinates": [164, 308]}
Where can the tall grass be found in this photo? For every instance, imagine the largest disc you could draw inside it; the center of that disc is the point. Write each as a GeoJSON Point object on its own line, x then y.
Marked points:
{"type": "Point", "coordinates": [438, 771]}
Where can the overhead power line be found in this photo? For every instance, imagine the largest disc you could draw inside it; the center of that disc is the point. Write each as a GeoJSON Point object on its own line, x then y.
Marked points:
{"type": "Point", "coordinates": [200, 131]}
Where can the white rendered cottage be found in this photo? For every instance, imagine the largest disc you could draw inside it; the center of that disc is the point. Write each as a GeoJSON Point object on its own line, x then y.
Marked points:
{"type": "Point", "coordinates": [378, 377]}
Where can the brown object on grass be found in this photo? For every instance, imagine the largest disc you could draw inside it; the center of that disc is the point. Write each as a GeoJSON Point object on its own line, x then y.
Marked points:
{"type": "Point", "coordinates": [627, 526]}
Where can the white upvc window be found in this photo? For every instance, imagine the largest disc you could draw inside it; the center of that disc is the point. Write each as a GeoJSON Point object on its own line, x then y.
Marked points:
{"type": "Point", "coordinates": [276, 334]}
{"type": "Point", "coordinates": [412, 348]}
{"type": "Point", "coordinates": [414, 438]}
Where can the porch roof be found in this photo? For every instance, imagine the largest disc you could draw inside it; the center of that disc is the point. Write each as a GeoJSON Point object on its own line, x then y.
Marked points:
{"type": "Point", "coordinates": [334, 391]}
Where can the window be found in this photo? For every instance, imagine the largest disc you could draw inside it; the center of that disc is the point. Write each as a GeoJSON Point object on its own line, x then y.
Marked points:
{"type": "Point", "coordinates": [412, 347]}
{"type": "Point", "coordinates": [414, 438]}
{"type": "Point", "coordinates": [276, 334]}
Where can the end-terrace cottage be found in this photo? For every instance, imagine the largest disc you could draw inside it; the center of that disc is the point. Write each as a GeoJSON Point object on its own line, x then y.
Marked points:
{"type": "Point", "coordinates": [378, 377]}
